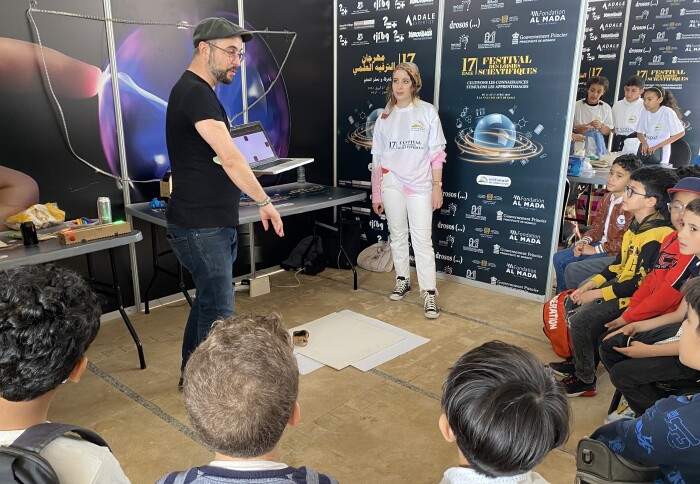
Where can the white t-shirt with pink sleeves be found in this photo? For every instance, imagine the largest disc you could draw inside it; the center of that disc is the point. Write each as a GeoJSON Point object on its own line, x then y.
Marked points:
{"type": "Point", "coordinates": [405, 141]}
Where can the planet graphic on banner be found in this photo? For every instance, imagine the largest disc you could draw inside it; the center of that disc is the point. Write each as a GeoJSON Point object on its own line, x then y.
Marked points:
{"type": "Point", "coordinates": [495, 140]}
{"type": "Point", "coordinates": [361, 136]}
{"type": "Point", "coordinates": [145, 79]}
{"type": "Point", "coordinates": [495, 131]}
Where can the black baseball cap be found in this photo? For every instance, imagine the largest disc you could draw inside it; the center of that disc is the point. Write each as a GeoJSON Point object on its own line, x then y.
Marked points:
{"type": "Point", "coordinates": [218, 28]}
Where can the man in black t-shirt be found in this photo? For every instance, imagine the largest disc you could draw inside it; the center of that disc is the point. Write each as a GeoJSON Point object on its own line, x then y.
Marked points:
{"type": "Point", "coordinates": [209, 173]}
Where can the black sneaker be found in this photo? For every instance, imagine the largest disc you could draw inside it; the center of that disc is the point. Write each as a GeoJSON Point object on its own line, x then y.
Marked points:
{"type": "Point", "coordinates": [579, 388]}
{"type": "Point", "coordinates": [402, 288]}
{"type": "Point", "coordinates": [564, 368]}
{"type": "Point", "coordinates": [430, 308]}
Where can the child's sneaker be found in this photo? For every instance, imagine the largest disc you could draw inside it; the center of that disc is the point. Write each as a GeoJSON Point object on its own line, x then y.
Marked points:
{"type": "Point", "coordinates": [402, 288]}
{"type": "Point", "coordinates": [430, 308]}
{"type": "Point", "coordinates": [623, 411]}
{"type": "Point", "coordinates": [563, 368]}
{"type": "Point", "coordinates": [579, 388]}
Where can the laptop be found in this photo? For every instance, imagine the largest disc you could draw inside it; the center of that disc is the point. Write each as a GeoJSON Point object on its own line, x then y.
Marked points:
{"type": "Point", "coordinates": [253, 142]}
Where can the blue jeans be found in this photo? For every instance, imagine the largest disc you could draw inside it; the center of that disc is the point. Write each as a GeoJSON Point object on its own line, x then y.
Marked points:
{"type": "Point", "coordinates": [565, 257]}
{"type": "Point", "coordinates": [208, 255]}
{"type": "Point", "coordinates": [582, 270]}
{"type": "Point", "coordinates": [599, 140]}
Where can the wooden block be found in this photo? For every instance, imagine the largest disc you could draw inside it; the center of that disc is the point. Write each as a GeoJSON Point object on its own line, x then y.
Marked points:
{"type": "Point", "coordinates": [94, 232]}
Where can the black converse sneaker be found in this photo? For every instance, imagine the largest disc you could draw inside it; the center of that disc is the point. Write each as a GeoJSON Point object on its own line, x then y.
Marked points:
{"type": "Point", "coordinates": [402, 288]}
{"type": "Point", "coordinates": [430, 308]}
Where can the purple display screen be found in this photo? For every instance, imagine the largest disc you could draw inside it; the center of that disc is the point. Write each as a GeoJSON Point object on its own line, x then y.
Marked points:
{"type": "Point", "coordinates": [253, 144]}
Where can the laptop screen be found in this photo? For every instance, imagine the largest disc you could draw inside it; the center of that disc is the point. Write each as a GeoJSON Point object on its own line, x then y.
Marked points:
{"type": "Point", "coordinates": [253, 142]}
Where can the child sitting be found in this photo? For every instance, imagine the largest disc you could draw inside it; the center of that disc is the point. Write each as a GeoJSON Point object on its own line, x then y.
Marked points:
{"type": "Point", "coordinates": [659, 125]}
{"type": "Point", "coordinates": [606, 295]}
{"type": "Point", "coordinates": [505, 411]}
{"type": "Point", "coordinates": [668, 433]}
{"type": "Point", "coordinates": [643, 353]}
{"type": "Point", "coordinates": [602, 242]}
{"type": "Point", "coordinates": [48, 318]}
{"type": "Point", "coordinates": [240, 391]}
{"type": "Point", "coordinates": [593, 117]}
{"type": "Point", "coordinates": [626, 113]}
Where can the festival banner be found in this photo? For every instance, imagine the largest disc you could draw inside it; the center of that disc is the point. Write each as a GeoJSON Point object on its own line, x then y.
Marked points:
{"type": "Point", "coordinates": [509, 69]}
{"type": "Point", "coordinates": [602, 44]}
{"type": "Point", "coordinates": [373, 37]}
{"type": "Point", "coordinates": [663, 47]}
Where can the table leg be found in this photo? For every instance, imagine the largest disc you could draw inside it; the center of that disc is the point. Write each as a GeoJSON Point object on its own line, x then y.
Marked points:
{"type": "Point", "coordinates": [342, 249]}
{"type": "Point", "coordinates": [251, 249]}
{"type": "Point", "coordinates": [157, 269]}
{"type": "Point", "coordinates": [154, 249]}
{"type": "Point", "coordinates": [91, 272]}
{"type": "Point", "coordinates": [589, 206]}
{"type": "Point", "coordinates": [125, 317]}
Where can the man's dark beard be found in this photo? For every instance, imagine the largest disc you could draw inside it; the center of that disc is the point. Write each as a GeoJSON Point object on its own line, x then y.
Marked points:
{"type": "Point", "coordinates": [221, 75]}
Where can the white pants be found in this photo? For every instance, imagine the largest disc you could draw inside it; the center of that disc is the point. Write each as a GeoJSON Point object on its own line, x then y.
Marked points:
{"type": "Point", "coordinates": [414, 212]}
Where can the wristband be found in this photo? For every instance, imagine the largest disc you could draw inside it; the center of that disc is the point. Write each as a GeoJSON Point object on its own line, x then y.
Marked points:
{"type": "Point", "coordinates": [438, 183]}
{"type": "Point", "coordinates": [265, 202]}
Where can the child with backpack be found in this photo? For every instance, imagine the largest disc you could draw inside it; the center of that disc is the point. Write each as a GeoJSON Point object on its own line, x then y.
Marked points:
{"type": "Point", "coordinates": [48, 318]}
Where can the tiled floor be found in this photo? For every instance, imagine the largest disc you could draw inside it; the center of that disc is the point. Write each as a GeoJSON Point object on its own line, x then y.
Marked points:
{"type": "Point", "coordinates": [355, 426]}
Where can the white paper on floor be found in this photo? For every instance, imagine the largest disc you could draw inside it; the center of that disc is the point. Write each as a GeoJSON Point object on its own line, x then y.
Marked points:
{"type": "Point", "coordinates": [338, 340]}
{"type": "Point", "coordinates": [306, 365]}
{"type": "Point", "coordinates": [354, 326]}
{"type": "Point", "coordinates": [411, 341]}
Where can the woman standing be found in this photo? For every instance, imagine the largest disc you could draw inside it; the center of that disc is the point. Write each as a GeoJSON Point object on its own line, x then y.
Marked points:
{"type": "Point", "coordinates": [408, 149]}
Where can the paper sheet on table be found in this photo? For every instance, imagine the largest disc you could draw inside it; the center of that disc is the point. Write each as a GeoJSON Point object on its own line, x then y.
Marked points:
{"type": "Point", "coordinates": [306, 365]}
{"type": "Point", "coordinates": [410, 342]}
{"type": "Point", "coordinates": [339, 341]}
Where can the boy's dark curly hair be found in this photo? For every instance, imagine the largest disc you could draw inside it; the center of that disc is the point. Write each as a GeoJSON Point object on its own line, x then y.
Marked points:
{"type": "Point", "coordinates": [48, 318]}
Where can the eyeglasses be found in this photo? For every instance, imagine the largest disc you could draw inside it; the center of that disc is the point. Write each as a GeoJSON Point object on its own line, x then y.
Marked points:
{"type": "Point", "coordinates": [676, 207]}
{"type": "Point", "coordinates": [630, 192]}
{"type": "Point", "coordinates": [231, 55]}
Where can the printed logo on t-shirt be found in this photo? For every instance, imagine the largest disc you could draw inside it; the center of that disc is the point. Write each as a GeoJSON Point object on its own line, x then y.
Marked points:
{"type": "Point", "coordinates": [409, 144]}
{"type": "Point", "coordinates": [657, 128]}
{"type": "Point", "coordinates": [417, 126]}
{"type": "Point", "coordinates": [620, 222]}
{"type": "Point", "coordinates": [633, 119]}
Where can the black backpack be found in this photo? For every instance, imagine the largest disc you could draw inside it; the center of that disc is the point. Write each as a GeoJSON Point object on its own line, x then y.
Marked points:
{"type": "Point", "coordinates": [597, 464]}
{"type": "Point", "coordinates": [307, 257]}
{"type": "Point", "coordinates": [21, 462]}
